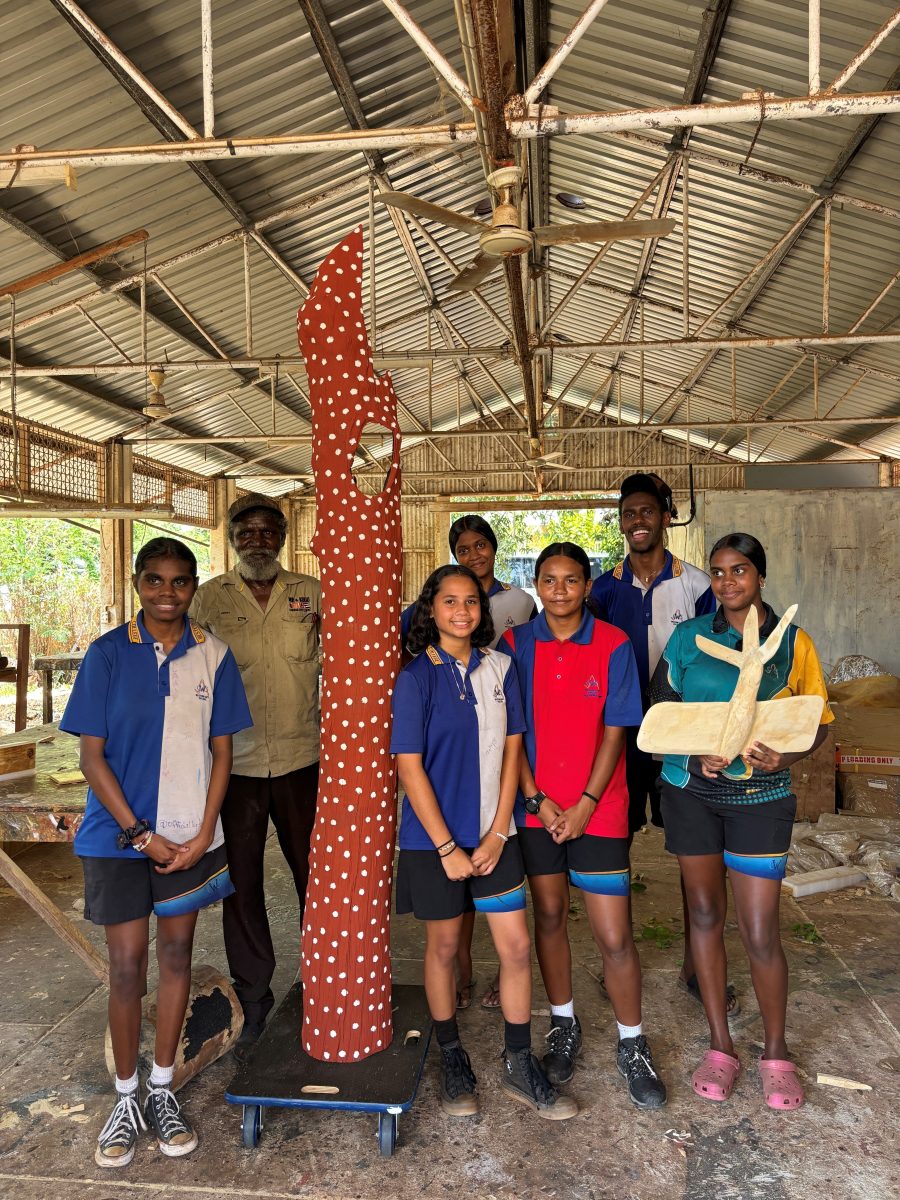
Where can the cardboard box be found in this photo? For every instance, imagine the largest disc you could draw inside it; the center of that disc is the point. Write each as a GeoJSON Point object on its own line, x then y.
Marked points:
{"type": "Point", "coordinates": [867, 740]}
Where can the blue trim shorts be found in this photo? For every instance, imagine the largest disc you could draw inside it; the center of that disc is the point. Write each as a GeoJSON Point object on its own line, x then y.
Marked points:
{"type": "Point", "coordinates": [424, 889]}
{"type": "Point", "coordinates": [598, 865]}
{"type": "Point", "coordinates": [126, 889]}
{"type": "Point", "coordinates": [753, 839]}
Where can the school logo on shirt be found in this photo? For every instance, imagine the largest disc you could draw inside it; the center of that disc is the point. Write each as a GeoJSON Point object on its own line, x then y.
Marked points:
{"type": "Point", "coordinates": [677, 617]}
{"type": "Point", "coordinates": [299, 604]}
{"type": "Point", "coordinates": [591, 688]}
{"type": "Point", "coordinates": [510, 622]}
{"type": "Point", "coordinates": [201, 691]}
{"type": "Point", "coordinates": [498, 694]}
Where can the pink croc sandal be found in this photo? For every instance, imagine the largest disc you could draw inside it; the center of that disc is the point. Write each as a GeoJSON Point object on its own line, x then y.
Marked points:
{"type": "Point", "coordinates": [781, 1087]}
{"type": "Point", "coordinates": [715, 1078]}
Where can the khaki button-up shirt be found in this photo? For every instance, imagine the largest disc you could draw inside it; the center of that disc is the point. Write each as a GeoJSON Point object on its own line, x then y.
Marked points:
{"type": "Point", "coordinates": [277, 653]}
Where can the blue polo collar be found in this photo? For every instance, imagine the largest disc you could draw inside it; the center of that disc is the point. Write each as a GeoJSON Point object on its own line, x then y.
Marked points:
{"type": "Point", "coordinates": [581, 637]}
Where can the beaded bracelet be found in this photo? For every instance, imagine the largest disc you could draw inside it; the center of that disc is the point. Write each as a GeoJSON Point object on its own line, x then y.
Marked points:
{"type": "Point", "coordinates": [502, 836]}
{"type": "Point", "coordinates": [144, 842]}
{"type": "Point", "coordinates": [447, 848]}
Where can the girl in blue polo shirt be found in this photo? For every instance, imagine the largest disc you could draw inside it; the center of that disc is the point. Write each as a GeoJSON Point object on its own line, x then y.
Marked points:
{"type": "Point", "coordinates": [457, 737]}
{"type": "Point", "coordinates": [580, 689]}
{"type": "Point", "coordinates": [736, 816]}
{"type": "Point", "coordinates": [154, 704]}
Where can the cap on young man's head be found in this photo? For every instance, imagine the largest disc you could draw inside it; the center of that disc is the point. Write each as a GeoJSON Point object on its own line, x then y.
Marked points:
{"type": "Point", "coordinates": [648, 485]}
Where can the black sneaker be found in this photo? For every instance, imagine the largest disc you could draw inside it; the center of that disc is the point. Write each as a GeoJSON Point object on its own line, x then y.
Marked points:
{"type": "Point", "coordinates": [635, 1063]}
{"type": "Point", "coordinates": [564, 1046]}
{"type": "Point", "coordinates": [247, 1039]}
{"type": "Point", "coordinates": [115, 1145]}
{"type": "Point", "coordinates": [164, 1116]}
{"type": "Point", "coordinates": [458, 1098]}
{"type": "Point", "coordinates": [525, 1081]}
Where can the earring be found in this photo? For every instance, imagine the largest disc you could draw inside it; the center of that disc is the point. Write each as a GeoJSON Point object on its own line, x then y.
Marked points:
{"type": "Point", "coordinates": [762, 583]}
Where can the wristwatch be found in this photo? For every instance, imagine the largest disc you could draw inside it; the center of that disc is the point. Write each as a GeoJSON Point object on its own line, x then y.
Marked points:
{"type": "Point", "coordinates": [533, 803]}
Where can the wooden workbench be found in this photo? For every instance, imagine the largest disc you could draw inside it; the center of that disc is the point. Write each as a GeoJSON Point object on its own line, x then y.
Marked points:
{"type": "Point", "coordinates": [45, 665]}
{"type": "Point", "coordinates": [33, 808]}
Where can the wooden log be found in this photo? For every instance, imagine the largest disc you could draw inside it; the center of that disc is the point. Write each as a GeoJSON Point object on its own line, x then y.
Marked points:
{"type": "Point", "coordinates": [212, 1023]}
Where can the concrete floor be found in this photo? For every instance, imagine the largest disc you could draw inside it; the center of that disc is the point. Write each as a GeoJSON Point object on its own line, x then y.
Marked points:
{"type": "Point", "coordinates": [844, 1017]}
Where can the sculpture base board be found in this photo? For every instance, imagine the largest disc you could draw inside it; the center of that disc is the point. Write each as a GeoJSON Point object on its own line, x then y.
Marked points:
{"type": "Point", "coordinates": [278, 1073]}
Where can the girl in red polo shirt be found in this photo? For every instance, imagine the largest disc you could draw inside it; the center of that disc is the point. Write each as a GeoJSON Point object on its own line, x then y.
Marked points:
{"type": "Point", "coordinates": [581, 691]}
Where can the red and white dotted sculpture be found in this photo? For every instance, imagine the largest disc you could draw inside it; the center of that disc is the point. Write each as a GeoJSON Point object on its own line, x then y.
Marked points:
{"type": "Point", "coordinates": [345, 950]}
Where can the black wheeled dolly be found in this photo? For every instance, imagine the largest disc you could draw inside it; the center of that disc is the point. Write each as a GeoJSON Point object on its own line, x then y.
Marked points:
{"type": "Point", "coordinates": [278, 1073]}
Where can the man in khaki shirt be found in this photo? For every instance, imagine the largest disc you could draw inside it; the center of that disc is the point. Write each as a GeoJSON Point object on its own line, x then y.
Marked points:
{"type": "Point", "coordinates": [270, 619]}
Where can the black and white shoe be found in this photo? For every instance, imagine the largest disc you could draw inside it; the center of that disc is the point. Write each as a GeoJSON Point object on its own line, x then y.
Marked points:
{"type": "Point", "coordinates": [165, 1118]}
{"type": "Point", "coordinates": [563, 1047]}
{"type": "Point", "coordinates": [635, 1063]}
{"type": "Point", "coordinates": [525, 1081]}
{"type": "Point", "coordinates": [115, 1145]}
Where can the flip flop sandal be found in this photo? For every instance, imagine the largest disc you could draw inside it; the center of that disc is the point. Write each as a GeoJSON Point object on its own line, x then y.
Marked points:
{"type": "Point", "coordinates": [715, 1078]}
{"type": "Point", "coordinates": [732, 1003]}
{"type": "Point", "coordinates": [491, 998]}
{"type": "Point", "coordinates": [781, 1087]}
{"type": "Point", "coordinates": [464, 995]}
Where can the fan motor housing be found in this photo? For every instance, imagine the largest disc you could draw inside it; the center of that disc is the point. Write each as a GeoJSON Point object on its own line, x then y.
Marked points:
{"type": "Point", "coordinates": [502, 240]}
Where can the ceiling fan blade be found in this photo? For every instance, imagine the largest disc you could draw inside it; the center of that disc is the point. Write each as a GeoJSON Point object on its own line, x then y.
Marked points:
{"type": "Point", "coordinates": [557, 466]}
{"type": "Point", "coordinates": [602, 231]}
{"type": "Point", "coordinates": [434, 212]}
{"type": "Point", "coordinates": [477, 270]}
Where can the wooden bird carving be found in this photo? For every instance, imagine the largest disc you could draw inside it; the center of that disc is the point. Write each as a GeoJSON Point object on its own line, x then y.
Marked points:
{"type": "Point", "coordinates": [787, 726]}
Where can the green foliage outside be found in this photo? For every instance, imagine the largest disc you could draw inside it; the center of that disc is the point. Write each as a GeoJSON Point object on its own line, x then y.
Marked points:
{"type": "Point", "coordinates": [527, 533]}
{"type": "Point", "coordinates": [50, 579]}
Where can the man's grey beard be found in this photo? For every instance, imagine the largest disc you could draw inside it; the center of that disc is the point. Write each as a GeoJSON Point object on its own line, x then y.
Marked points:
{"type": "Point", "coordinates": [257, 568]}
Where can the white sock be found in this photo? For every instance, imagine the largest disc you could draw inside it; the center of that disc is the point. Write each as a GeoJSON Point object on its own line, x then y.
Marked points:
{"type": "Point", "coordinates": [161, 1076]}
{"type": "Point", "coordinates": [125, 1087]}
{"type": "Point", "coordinates": [563, 1010]}
{"type": "Point", "coordinates": [629, 1031]}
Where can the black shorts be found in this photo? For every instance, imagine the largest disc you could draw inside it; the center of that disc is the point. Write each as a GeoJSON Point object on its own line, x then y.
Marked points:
{"type": "Point", "coordinates": [126, 889]}
{"type": "Point", "coordinates": [424, 889]}
{"type": "Point", "coordinates": [598, 865]}
{"type": "Point", "coordinates": [753, 838]}
{"type": "Point", "coordinates": [642, 777]}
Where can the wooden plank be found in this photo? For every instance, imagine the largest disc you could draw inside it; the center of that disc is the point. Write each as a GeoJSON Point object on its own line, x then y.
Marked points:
{"type": "Point", "coordinates": [15, 759]}
{"type": "Point", "coordinates": [48, 912]}
{"type": "Point", "coordinates": [67, 778]}
{"type": "Point", "coordinates": [813, 782]}
{"type": "Point", "coordinates": [73, 264]}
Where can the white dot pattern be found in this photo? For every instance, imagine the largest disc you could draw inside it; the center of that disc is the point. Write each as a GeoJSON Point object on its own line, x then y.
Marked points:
{"type": "Point", "coordinates": [345, 949]}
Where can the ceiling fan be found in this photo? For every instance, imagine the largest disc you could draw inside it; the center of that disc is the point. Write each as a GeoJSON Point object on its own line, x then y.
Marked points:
{"type": "Point", "coordinates": [504, 235]}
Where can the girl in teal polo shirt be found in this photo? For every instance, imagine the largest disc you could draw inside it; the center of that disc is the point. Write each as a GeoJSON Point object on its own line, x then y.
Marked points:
{"type": "Point", "coordinates": [736, 816]}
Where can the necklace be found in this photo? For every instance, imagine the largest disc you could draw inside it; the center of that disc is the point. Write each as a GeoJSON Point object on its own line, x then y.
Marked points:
{"type": "Point", "coordinates": [459, 678]}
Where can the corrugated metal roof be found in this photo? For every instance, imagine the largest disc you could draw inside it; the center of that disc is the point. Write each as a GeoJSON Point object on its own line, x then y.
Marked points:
{"type": "Point", "coordinates": [269, 80]}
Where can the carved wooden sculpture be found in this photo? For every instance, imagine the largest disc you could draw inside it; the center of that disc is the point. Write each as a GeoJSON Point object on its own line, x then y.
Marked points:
{"type": "Point", "coordinates": [346, 963]}
{"type": "Point", "coordinates": [787, 726]}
